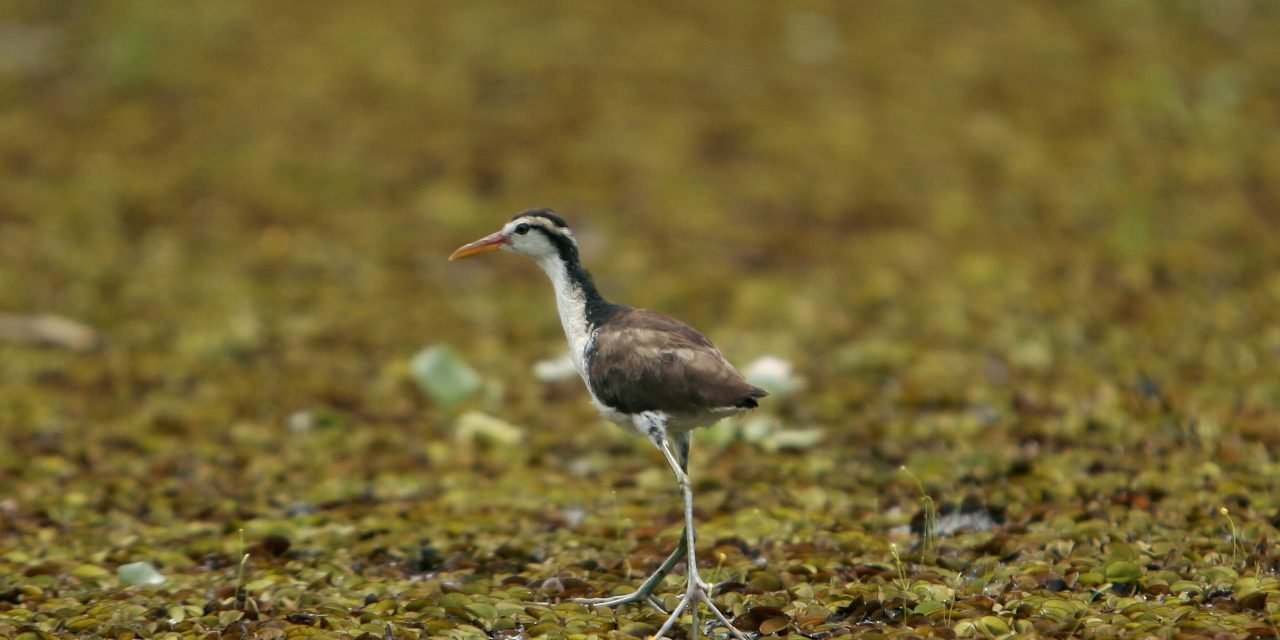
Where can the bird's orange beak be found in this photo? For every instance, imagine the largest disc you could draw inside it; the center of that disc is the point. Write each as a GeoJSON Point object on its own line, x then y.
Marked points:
{"type": "Point", "coordinates": [491, 242]}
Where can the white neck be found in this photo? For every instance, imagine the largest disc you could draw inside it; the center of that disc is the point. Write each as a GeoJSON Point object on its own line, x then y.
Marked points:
{"type": "Point", "coordinates": [571, 302]}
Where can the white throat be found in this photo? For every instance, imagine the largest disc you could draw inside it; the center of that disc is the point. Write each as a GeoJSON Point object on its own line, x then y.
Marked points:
{"type": "Point", "coordinates": [571, 302]}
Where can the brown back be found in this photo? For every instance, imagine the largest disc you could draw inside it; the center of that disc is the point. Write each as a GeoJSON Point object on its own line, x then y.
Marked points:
{"type": "Point", "coordinates": [645, 361]}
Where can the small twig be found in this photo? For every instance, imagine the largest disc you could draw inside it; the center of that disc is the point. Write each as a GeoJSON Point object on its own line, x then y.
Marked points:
{"type": "Point", "coordinates": [902, 568]}
{"type": "Point", "coordinates": [903, 583]}
{"type": "Point", "coordinates": [1235, 537]}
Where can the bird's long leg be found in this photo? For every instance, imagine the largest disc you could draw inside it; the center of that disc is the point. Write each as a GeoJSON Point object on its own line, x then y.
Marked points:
{"type": "Point", "coordinates": [696, 589]}
{"type": "Point", "coordinates": [645, 592]}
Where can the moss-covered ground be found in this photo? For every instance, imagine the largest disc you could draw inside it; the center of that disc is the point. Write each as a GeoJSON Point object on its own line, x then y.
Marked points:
{"type": "Point", "coordinates": [1024, 255]}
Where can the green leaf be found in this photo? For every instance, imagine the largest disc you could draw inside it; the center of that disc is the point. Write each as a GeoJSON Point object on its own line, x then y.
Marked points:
{"type": "Point", "coordinates": [444, 376]}
{"type": "Point", "coordinates": [1122, 572]}
{"type": "Point", "coordinates": [454, 601]}
{"type": "Point", "coordinates": [995, 625]}
{"type": "Point", "coordinates": [90, 572]}
{"type": "Point", "coordinates": [482, 611]}
{"type": "Point", "coordinates": [928, 607]}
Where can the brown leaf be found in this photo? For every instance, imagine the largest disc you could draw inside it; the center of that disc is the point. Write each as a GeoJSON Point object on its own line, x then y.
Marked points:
{"type": "Point", "coordinates": [774, 625]}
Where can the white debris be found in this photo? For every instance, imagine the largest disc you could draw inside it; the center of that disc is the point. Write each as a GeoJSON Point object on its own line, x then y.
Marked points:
{"type": "Point", "coordinates": [573, 517]}
{"type": "Point", "coordinates": [793, 439]}
{"type": "Point", "coordinates": [758, 427]}
{"type": "Point", "coordinates": [300, 422]}
{"type": "Point", "coordinates": [475, 428]}
{"type": "Point", "coordinates": [774, 375]}
{"type": "Point", "coordinates": [555, 369]}
{"type": "Point", "coordinates": [139, 573]}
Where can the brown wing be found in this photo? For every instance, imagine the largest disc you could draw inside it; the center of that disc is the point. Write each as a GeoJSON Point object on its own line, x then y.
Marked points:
{"type": "Point", "coordinates": [644, 361]}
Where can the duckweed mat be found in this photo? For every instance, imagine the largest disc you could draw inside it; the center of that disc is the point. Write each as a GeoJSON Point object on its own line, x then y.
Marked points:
{"type": "Point", "coordinates": [1021, 259]}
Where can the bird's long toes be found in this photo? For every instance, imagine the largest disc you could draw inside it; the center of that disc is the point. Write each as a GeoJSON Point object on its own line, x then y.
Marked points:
{"type": "Point", "coordinates": [615, 601]}
{"type": "Point", "coordinates": [699, 592]}
{"type": "Point", "coordinates": [673, 618]}
{"type": "Point", "coordinates": [724, 621]}
{"type": "Point", "coordinates": [720, 621]}
{"type": "Point", "coordinates": [656, 604]}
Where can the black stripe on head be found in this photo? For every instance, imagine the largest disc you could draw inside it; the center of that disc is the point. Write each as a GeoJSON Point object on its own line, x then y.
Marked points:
{"type": "Point", "coordinates": [598, 309]}
{"type": "Point", "coordinates": [554, 229]}
{"type": "Point", "coordinates": [565, 244]}
{"type": "Point", "coordinates": [546, 214]}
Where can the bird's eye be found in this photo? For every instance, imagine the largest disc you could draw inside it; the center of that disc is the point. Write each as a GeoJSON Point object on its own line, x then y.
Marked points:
{"type": "Point", "coordinates": [522, 228]}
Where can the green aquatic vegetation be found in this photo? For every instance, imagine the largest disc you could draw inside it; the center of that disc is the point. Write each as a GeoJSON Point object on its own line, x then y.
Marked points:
{"type": "Point", "coordinates": [444, 376]}
{"type": "Point", "coordinates": [1025, 250]}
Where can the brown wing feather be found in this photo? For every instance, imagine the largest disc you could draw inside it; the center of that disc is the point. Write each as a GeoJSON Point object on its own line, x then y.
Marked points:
{"type": "Point", "coordinates": [645, 361]}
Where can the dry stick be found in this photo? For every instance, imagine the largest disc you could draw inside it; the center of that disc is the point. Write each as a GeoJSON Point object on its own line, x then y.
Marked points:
{"type": "Point", "coordinates": [929, 534]}
{"type": "Point", "coordinates": [241, 595]}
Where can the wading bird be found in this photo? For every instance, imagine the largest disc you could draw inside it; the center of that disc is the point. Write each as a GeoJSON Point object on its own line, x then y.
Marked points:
{"type": "Point", "coordinates": [644, 370]}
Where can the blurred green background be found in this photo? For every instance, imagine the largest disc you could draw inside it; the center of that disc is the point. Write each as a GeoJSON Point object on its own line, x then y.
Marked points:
{"type": "Point", "coordinates": [992, 237]}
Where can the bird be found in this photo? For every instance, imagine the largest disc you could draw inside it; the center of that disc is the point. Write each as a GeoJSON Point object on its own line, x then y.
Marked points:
{"type": "Point", "coordinates": [645, 371]}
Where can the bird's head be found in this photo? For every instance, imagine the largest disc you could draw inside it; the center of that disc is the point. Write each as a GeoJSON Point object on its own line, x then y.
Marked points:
{"type": "Point", "coordinates": [537, 233]}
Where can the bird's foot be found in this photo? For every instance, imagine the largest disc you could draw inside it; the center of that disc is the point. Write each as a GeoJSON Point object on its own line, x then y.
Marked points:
{"type": "Point", "coordinates": [645, 592]}
{"type": "Point", "coordinates": [697, 592]}
{"type": "Point", "coordinates": [617, 601]}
